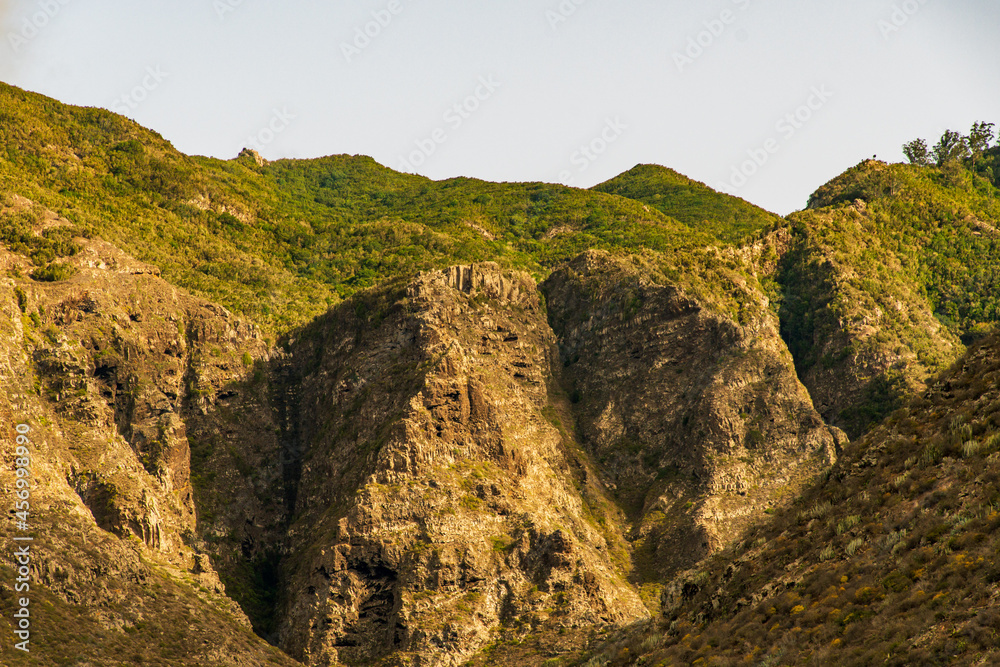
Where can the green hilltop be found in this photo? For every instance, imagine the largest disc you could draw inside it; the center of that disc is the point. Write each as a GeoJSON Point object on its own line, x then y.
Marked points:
{"type": "Point", "coordinates": [281, 242]}
{"type": "Point", "coordinates": [728, 218]}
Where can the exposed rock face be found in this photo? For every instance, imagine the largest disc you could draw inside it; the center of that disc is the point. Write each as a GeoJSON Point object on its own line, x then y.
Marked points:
{"type": "Point", "coordinates": [251, 154]}
{"type": "Point", "coordinates": [436, 501]}
{"type": "Point", "coordinates": [406, 480]}
{"type": "Point", "coordinates": [878, 538]}
{"type": "Point", "coordinates": [699, 422]}
{"type": "Point", "coordinates": [100, 366]}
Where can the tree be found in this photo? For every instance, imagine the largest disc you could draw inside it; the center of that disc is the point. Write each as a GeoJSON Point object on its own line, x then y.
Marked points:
{"type": "Point", "coordinates": [917, 153]}
{"type": "Point", "coordinates": [980, 139]}
{"type": "Point", "coordinates": [951, 146]}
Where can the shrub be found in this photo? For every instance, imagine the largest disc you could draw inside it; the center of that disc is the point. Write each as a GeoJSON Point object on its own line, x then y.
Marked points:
{"type": "Point", "coordinates": [817, 511]}
{"type": "Point", "coordinates": [55, 272]}
{"type": "Point", "coordinates": [854, 545]}
{"type": "Point", "coordinates": [847, 523]}
{"type": "Point", "coordinates": [971, 448]}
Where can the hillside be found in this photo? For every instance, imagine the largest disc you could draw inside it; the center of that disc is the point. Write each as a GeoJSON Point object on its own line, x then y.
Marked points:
{"type": "Point", "coordinates": [321, 412]}
{"type": "Point", "coordinates": [891, 558]}
{"type": "Point", "coordinates": [728, 218]}
{"type": "Point", "coordinates": [282, 242]}
{"type": "Point", "coordinates": [893, 269]}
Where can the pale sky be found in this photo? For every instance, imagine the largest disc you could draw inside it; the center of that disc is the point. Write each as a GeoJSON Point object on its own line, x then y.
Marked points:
{"type": "Point", "coordinates": [572, 91]}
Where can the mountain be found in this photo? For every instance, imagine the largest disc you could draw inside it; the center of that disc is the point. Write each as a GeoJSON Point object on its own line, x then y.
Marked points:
{"type": "Point", "coordinates": [320, 412]}
{"type": "Point", "coordinates": [99, 367]}
{"type": "Point", "coordinates": [893, 269]}
{"type": "Point", "coordinates": [282, 242]}
{"type": "Point", "coordinates": [890, 558]}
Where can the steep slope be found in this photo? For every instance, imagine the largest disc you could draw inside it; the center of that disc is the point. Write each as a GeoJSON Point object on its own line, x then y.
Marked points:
{"type": "Point", "coordinates": [403, 480]}
{"type": "Point", "coordinates": [96, 366]}
{"type": "Point", "coordinates": [695, 416]}
{"type": "Point", "coordinates": [890, 559]}
{"type": "Point", "coordinates": [728, 218]}
{"type": "Point", "coordinates": [437, 508]}
{"type": "Point", "coordinates": [863, 333]}
{"type": "Point", "coordinates": [892, 266]}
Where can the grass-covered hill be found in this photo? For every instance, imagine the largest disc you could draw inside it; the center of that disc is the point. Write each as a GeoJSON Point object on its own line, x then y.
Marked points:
{"type": "Point", "coordinates": [283, 241]}
{"type": "Point", "coordinates": [945, 220]}
{"type": "Point", "coordinates": [728, 218]}
{"type": "Point", "coordinates": [891, 558]}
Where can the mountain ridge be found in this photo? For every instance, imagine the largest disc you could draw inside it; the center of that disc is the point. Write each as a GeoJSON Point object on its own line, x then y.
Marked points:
{"type": "Point", "coordinates": [541, 406]}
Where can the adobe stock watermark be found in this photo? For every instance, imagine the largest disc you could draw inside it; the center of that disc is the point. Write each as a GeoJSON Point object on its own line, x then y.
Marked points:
{"type": "Point", "coordinates": [714, 28]}
{"type": "Point", "coordinates": [365, 34]}
{"type": "Point", "coordinates": [22, 541]}
{"type": "Point", "coordinates": [590, 152]}
{"type": "Point", "coordinates": [281, 120]}
{"type": "Point", "coordinates": [900, 16]}
{"type": "Point", "coordinates": [34, 23]}
{"type": "Point", "coordinates": [224, 7]}
{"type": "Point", "coordinates": [454, 117]}
{"type": "Point", "coordinates": [787, 127]}
{"type": "Point", "coordinates": [131, 100]}
{"type": "Point", "coordinates": [562, 12]}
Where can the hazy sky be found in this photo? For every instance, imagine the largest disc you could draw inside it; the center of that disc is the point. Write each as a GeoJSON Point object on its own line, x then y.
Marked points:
{"type": "Point", "coordinates": [767, 98]}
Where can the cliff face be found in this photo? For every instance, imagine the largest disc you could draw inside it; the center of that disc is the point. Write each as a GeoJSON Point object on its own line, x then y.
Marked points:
{"type": "Point", "coordinates": [437, 508]}
{"type": "Point", "coordinates": [698, 421]}
{"type": "Point", "coordinates": [432, 468]}
{"type": "Point", "coordinates": [99, 366]}
{"type": "Point", "coordinates": [892, 558]}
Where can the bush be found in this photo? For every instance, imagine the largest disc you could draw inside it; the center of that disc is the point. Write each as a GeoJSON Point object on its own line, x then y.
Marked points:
{"type": "Point", "coordinates": [55, 272]}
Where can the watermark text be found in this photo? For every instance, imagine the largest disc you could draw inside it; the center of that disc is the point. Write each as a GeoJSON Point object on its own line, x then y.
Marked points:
{"type": "Point", "coordinates": [22, 546]}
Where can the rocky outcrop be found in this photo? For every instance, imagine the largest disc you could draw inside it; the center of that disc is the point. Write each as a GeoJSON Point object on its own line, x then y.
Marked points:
{"type": "Point", "coordinates": [436, 466]}
{"type": "Point", "coordinates": [436, 509]}
{"type": "Point", "coordinates": [100, 367]}
{"type": "Point", "coordinates": [699, 422]}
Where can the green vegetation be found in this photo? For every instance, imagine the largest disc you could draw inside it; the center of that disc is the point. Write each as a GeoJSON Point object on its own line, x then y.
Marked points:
{"type": "Point", "coordinates": [17, 227]}
{"type": "Point", "coordinates": [283, 242]}
{"type": "Point", "coordinates": [727, 218]}
{"type": "Point", "coordinates": [891, 265]}
{"type": "Point", "coordinates": [954, 147]}
{"type": "Point", "coordinates": [54, 272]}
{"type": "Point", "coordinates": [941, 236]}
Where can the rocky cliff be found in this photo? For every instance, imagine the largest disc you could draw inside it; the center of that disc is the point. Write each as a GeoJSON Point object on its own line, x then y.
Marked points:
{"type": "Point", "coordinates": [889, 559]}
{"type": "Point", "coordinates": [436, 467]}
{"type": "Point", "coordinates": [437, 508]}
{"type": "Point", "coordinates": [698, 421]}
{"type": "Point", "coordinates": [100, 366]}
